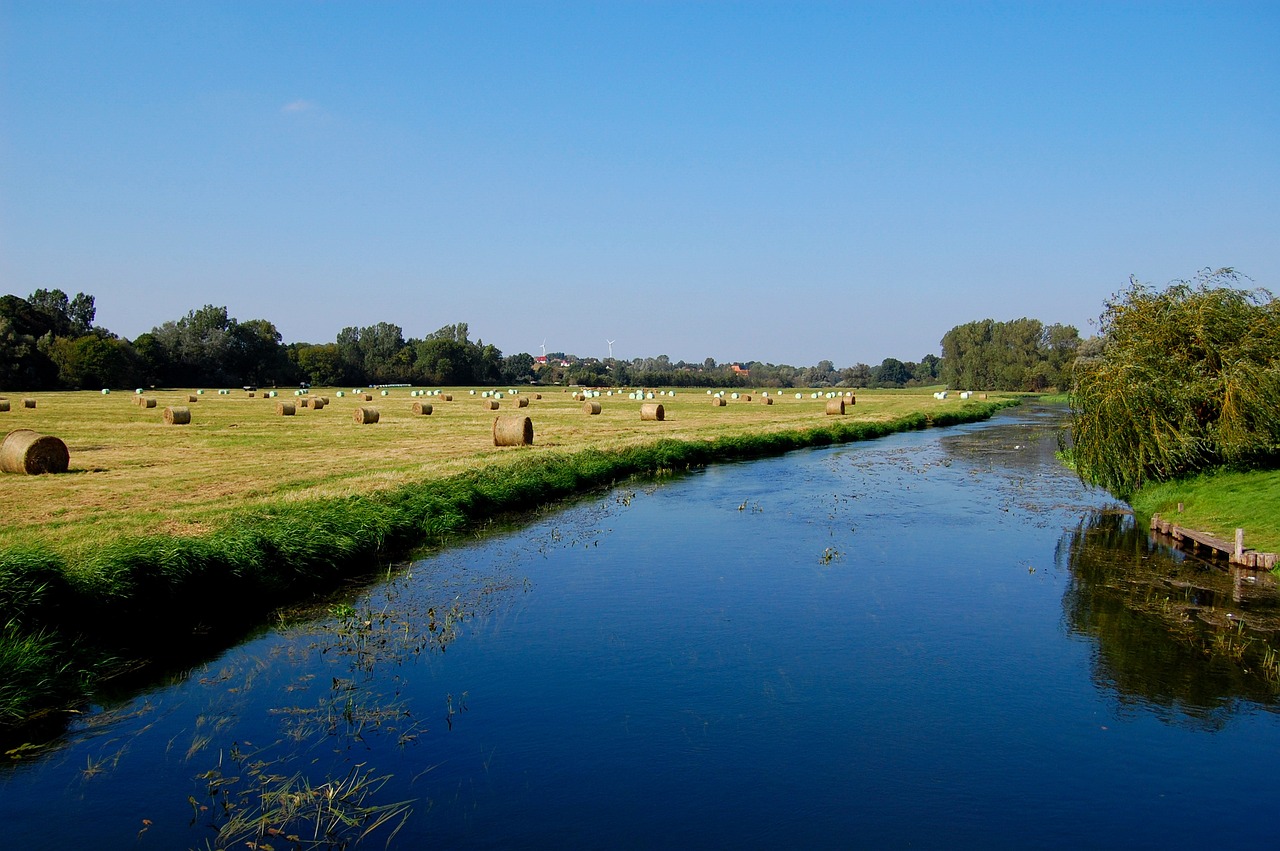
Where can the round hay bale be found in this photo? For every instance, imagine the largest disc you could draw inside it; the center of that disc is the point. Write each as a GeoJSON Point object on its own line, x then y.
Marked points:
{"type": "Point", "coordinates": [4, 405]}
{"type": "Point", "coordinates": [490, 404]}
{"type": "Point", "coordinates": [746, 398]}
{"type": "Point", "coordinates": [366, 397]}
{"type": "Point", "coordinates": [591, 407]}
{"type": "Point", "coordinates": [26, 451]}
{"type": "Point", "coordinates": [106, 391]}
{"type": "Point", "coordinates": [192, 398]}
{"type": "Point", "coordinates": [422, 409]}
{"type": "Point", "coordinates": [835, 407]}
{"type": "Point", "coordinates": [147, 403]}
{"type": "Point", "coordinates": [286, 409]}
{"type": "Point", "coordinates": [28, 403]}
{"type": "Point", "coordinates": [718, 402]}
{"type": "Point", "coordinates": [324, 400]}
{"type": "Point", "coordinates": [341, 393]}
{"type": "Point", "coordinates": [522, 402]}
{"type": "Point", "coordinates": [537, 395]}
{"type": "Point", "coordinates": [579, 397]}
{"type": "Point", "coordinates": [767, 400]}
{"type": "Point", "coordinates": [853, 400]}
{"type": "Point", "coordinates": [364, 415]}
{"type": "Point", "coordinates": [512, 431]}
{"type": "Point", "coordinates": [448, 397]}
{"type": "Point", "coordinates": [653, 411]}
{"type": "Point", "coordinates": [177, 416]}
{"type": "Point", "coordinates": [252, 394]}
{"type": "Point", "coordinates": [383, 392]}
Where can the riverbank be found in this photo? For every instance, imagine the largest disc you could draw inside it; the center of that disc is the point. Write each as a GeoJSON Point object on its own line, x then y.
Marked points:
{"type": "Point", "coordinates": [71, 623]}
{"type": "Point", "coordinates": [1219, 503]}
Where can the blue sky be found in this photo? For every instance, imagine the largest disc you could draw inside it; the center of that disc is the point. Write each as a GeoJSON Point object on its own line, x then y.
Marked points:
{"type": "Point", "coordinates": [786, 182]}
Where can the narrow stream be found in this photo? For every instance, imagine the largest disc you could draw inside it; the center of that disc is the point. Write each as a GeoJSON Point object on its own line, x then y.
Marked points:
{"type": "Point", "coordinates": [938, 639]}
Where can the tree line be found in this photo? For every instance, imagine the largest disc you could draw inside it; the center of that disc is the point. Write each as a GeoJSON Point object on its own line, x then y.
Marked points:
{"type": "Point", "coordinates": [49, 340]}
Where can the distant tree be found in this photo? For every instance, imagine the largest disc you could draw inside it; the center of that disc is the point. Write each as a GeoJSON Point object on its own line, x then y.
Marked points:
{"type": "Point", "coordinates": [1019, 355]}
{"type": "Point", "coordinates": [68, 317]}
{"type": "Point", "coordinates": [928, 370]}
{"type": "Point", "coordinates": [858, 375]}
{"type": "Point", "coordinates": [890, 373]}
{"type": "Point", "coordinates": [518, 368]}
{"type": "Point", "coordinates": [1185, 379]}
{"type": "Point", "coordinates": [320, 365]}
{"type": "Point", "coordinates": [93, 360]}
{"type": "Point", "coordinates": [445, 362]}
{"type": "Point", "coordinates": [257, 355]}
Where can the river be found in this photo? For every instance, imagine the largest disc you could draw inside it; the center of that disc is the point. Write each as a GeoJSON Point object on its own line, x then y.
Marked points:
{"type": "Point", "coordinates": [937, 639]}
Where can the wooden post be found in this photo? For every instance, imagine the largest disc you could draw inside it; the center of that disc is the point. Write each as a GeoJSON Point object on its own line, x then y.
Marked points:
{"type": "Point", "coordinates": [1179, 508]}
{"type": "Point", "coordinates": [1239, 543]}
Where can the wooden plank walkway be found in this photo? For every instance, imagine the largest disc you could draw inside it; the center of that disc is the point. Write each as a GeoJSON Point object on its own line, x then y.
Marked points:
{"type": "Point", "coordinates": [1235, 551]}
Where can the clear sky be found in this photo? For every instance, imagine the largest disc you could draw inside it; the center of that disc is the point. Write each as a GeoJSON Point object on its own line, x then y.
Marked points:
{"type": "Point", "coordinates": [787, 182]}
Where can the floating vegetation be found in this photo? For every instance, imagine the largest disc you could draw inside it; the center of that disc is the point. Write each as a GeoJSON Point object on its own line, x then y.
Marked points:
{"type": "Point", "coordinates": [250, 804]}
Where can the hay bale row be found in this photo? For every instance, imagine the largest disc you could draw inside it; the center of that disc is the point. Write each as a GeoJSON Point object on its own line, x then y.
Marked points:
{"type": "Point", "coordinates": [653, 412]}
{"type": "Point", "coordinates": [512, 431]}
{"type": "Point", "coordinates": [26, 451]}
{"type": "Point", "coordinates": [364, 415]}
{"type": "Point", "coordinates": [422, 409]}
{"type": "Point", "coordinates": [177, 416]}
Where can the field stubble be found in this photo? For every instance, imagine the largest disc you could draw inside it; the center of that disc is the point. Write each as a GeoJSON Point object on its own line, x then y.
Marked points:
{"type": "Point", "coordinates": [131, 474]}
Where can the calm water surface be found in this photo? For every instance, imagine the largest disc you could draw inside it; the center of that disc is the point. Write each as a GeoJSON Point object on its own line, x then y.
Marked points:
{"type": "Point", "coordinates": [938, 639]}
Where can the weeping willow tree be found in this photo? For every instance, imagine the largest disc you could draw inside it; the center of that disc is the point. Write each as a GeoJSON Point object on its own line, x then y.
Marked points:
{"type": "Point", "coordinates": [1185, 379]}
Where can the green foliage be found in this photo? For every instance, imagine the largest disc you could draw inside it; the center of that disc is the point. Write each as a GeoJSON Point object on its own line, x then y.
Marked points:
{"type": "Point", "coordinates": [891, 373]}
{"type": "Point", "coordinates": [1021, 355]}
{"type": "Point", "coordinates": [1187, 379]}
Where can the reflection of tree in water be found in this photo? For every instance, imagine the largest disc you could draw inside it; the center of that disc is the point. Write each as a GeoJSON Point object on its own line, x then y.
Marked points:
{"type": "Point", "coordinates": [1188, 639]}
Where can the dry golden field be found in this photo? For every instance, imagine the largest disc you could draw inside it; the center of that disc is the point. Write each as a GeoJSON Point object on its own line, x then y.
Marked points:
{"type": "Point", "coordinates": [133, 474]}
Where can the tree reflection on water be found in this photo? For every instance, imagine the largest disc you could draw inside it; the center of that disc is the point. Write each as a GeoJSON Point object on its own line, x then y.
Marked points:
{"type": "Point", "coordinates": [1193, 641]}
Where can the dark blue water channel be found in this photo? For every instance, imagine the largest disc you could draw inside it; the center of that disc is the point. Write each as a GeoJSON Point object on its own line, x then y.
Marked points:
{"type": "Point", "coordinates": [939, 639]}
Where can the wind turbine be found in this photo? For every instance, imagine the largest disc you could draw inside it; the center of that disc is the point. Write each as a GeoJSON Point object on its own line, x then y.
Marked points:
{"type": "Point", "coordinates": [544, 348]}
{"type": "Point", "coordinates": [611, 342]}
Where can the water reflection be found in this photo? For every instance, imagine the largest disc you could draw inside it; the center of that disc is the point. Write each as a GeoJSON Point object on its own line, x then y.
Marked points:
{"type": "Point", "coordinates": [1186, 639]}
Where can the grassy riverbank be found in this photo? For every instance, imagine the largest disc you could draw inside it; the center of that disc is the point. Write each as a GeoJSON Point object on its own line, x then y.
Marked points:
{"type": "Point", "coordinates": [162, 534]}
{"type": "Point", "coordinates": [1219, 503]}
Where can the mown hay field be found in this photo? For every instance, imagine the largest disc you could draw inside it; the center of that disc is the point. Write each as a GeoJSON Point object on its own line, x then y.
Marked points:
{"type": "Point", "coordinates": [132, 474]}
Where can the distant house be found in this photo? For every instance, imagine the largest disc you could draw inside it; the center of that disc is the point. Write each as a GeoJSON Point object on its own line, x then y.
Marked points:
{"type": "Point", "coordinates": [737, 370]}
{"type": "Point", "coordinates": [542, 359]}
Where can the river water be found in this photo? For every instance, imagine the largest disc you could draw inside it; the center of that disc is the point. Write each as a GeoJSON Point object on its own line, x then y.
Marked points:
{"type": "Point", "coordinates": [938, 639]}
